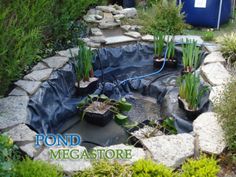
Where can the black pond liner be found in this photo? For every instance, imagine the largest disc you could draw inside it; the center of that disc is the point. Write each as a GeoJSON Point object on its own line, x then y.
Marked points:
{"type": "Point", "coordinates": [55, 103]}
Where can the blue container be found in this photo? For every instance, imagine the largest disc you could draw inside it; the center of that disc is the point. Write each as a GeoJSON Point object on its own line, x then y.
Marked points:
{"type": "Point", "coordinates": [128, 3]}
{"type": "Point", "coordinates": [206, 16]}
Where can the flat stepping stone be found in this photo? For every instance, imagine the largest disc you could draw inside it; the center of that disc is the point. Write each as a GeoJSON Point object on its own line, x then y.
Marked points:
{"type": "Point", "coordinates": [214, 57]}
{"type": "Point", "coordinates": [13, 111]}
{"type": "Point", "coordinates": [125, 27]}
{"type": "Point", "coordinates": [210, 133]}
{"type": "Point", "coordinates": [119, 39]}
{"type": "Point", "coordinates": [133, 34]}
{"type": "Point", "coordinates": [212, 47]}
{"type": "Point", "coordinates": [18, 92]}
{"type": "Point", "coordinates": [148, 38]}
{"type": "Point", "coordinates": [98, 39]}
{"type": "Point", "coordinates": [215, 74]}
{"type": "Point", "coordinates": [39, 66]}
{"type": "Point", "coordinates": [69, 53]}
{"type": "Point", "coordinates": [29, 86]}
{"type": "Point", "coordinates": [56, 62]}
{"type": "Point", "coordinates": [40, 75]}
{"type": "Point", "coordinates": [184, 38]}
{"type": "Point", "coordinates": [170, 150]}
{"type": "Point", "coordinates": [216, 92]}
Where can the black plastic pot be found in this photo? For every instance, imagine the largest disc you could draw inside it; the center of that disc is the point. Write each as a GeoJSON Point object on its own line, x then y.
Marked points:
{"type": "Point", "coordinates": [128, 3]}
{"type": "Point", "coordinates": [169, 63]}
{"type": "Point", "coordinates": [183, 72]}
{"type": "Point", "coordinates": [83, 91]}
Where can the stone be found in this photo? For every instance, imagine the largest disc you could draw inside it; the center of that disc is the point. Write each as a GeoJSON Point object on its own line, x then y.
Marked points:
{"type": "Point", "coordinates": [108, 25]}
{"type": "Point", "coordinates": [39, 66]}
{"type": "Point", "coordinates": [106, 8]}
{"type": "Point", "coordinates": [94, 12]}
{"type": "Point", "coordinates": [146, 132]}
{"type": "Point", "coordinates": [21, 133]}
{"type": "Point", "coordinates": [13, 111]}
{"type": "Point", "coordinates": [133, 34]}
{"type": "Point", "coordinates": [125, 27]}
{"type": "Point", "coordinates": [119, 16]}
{"type": "Point", "coordinates": [96, 32]}
{"type": "Point", "coordinates": [68, 166]}
{"type": "Point", "coordinates": [136, 153]}
{"type": "Point", "coordinates": [117, 7]}
{"type": "Point", "coordinates": [210, 133]}
{"type": "Point", "coordinates": [98, 39]}
{"type": "Point", "coordinates": [216, 92]}
{"type": "Point", "coordinates": [93, 44]}
{"type": "Point", "coordinates": [69, 53]}
{"type": "Point", "coordinates": [56, 62]}
{"type": "Point", "coordinates": [129, 12]}
{"type": "Point", "coordinates": [170, 150]}
{"type": "Point", "coordinates": [215, 74]}
{"type": "Point", "coordinates": [18, 92]}
{"type": "Point", "coordinates": [214, 57]}
{"type": "Point", "coordinates": [29, 149]}
{"type": "Point", "coordinates": [135, 28]}
{"type": "Point", "coordinates": [211, 47]}
{"type": "Point", "coordinates": [98, 17]}
{"type": "Point", "coordinates": [91, 19]}
{"type": "Point", "coordinates": [119, 39]}
{"type": "Point", "coordinates": [29, 86]}
{"type": "Point", "coordinates": [40, 75]}
{"type": "Point", "coordinates": [148, 38]}
{"type": "Point", "coordinates": [183, 38]}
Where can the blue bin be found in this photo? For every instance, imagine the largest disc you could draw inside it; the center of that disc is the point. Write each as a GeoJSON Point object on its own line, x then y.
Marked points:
{"type": "Point", "coordinates": [206, 16]}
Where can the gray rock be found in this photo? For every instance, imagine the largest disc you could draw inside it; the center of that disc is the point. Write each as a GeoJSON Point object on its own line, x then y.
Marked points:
{"type": "Point", "coordinates": [106, 8]}
{"type": "Point", "coordinates": [135, 28]}
{"type": "Point", "coordinates": [119, 16]}
{"type": "Point", "coordinates": [96, 32]}
{"type": "Point", "coordinates": [125, 27]}
{"type": "Point", "coordinates": [69, 53]}
{"type": "Point", "coordinates": [30, 149]}
{"type": "Point", "coordinates": [98, 17]}
{"type": "Point", "coordinates": [56, 62]}
{"type": "Point", "coordinates": [215, 74]}
{"type": "Point", "coordinates": [148, 38]}
{"type": "Point", "coordinates": [39, 66]}
{"type": "Point", "coordinates": [170, 150]}
{"type": "Point", "coordinates": [91, 19]}
{"type": "Point", "coordinates": [13, 111]}
{"type": "Point", "coordinates": [129, 12]}
{"type": "Point", "coordinates": [98, 39]}
{"type": "Point", "coordinates": [119, 39]}
{"type": "Point", "coordinates": [214, 57]}
{"type": "Point", "coordinates": [133, 34]}
{"type": "Point", "coordinates": [40, 75]}
{"type": "Point", "coordinates": [29, 86]}
{"type": "Point", "coordinates": [212, 47]}
{"type": "Point", "coordinates": [93, 44]}
{"type": "Point", "coordinates": [94, 12]}
{"type": "Point", "coordinates": [210, 133]}
{"type": "Point", "coordinates": [18, 92]}
{"type": "Point", "coordinates": [117, 7]}
{"type": "Point", "coordinates": [216, 92]}
{"type": "Point", "coordinates": [183, 38]}
{"type": "Point", "coordinates": [108, 25]}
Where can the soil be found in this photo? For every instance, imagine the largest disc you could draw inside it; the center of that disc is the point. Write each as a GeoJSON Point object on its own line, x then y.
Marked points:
{"type": "Point", "coordinates": [98, 107]}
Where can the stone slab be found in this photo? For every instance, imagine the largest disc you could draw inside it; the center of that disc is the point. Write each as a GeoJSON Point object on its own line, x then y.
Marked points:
{"type": "Point", "coordinates": [40, 75]}
{"type": "Point", "coordinates": [214, 57]}
{"type": "Point", "coordinates": [119, 39]}
{"type": "Point", "coordinates": [18, 92]}
{"type": "Point", "coordinates": [56, 62]}
{"type": "Point", "coordinates": [29, 86]}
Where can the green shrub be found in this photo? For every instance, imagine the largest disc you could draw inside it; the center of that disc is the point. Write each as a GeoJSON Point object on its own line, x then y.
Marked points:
{"type": "Point", "coordinates": [148, 168]}
{"type": "Point", "coordinates": [204, 167]}
{"type": "Point", "coordinates": [29, 168]}
{"type": "Point", "coordinates": [208, 36]}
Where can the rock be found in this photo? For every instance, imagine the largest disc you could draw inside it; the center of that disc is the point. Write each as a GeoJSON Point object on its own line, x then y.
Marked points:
{"type": "Point", "coordinates": [68, 166]}
{"type": "Point", "coordinates": [93, 44]}
{"type": "Point", "coordinates": [147, 132]}
{"type": "Point", "coordinates": [133, 34]}
{"type": "Point", "coordinates": [148, 38]}
{"type": "Point", "coordinates": [39, 66]}
{"type": "Point", "coordinates": [212, 47]}
{"type": "Point", "coordinates": [108, 25]}
{"type": "Point", "coordinates": [119, 39]}
{"type": "Point", "coordinates": [183, 38]}
{"type": "Point", "coordinates": [214, 57]}
{"type": "Point", "coordinates": [96, 32]}
{"type": "Point", "coordinates": [94, 12]}
{"type": "Point", "coordinates": [98, 17]}
{"type": "Point", "coordinates": [91, 19]}
{"type": "Point", "coordinates": [107, 9]}
{"type": "Point", "coordinates": [97, 39]}
{"type": "Point", "coordinates": [18, 92]}
{"type": "Point", "coordinates": [119, 16]}
{"type": "Point", "coordinates": [129, 12]}
{"type": "Point", "coordinates": [13, 111]}
{"type": "Point", "coordinates": [29, 86]}
{"type": "Point", "coordinates": [117, 7]}
{"type": "Point", "coordinates": [56, 62]}
{"type": "Point", "coordinates": [30, 149]}
{"type": "Point", "coordinates": [21, 133]}
{"type": "Point", "coordinates": [210, 133]}
{"type": "Point", "coordinates": [170, 150]}
{"type": "Point", "coordinates": [215, 74]}
{"type": "Point", "coordinates": [216, 93]}
{"type": "Point", "coordinates": [125, 27]}
{"type": "Point", "coordinates": [40, 75]}
{"type": "Point", "coordinates": [135, 28]}
{"type": "Point", "coordinates": [69, 53]}
{"type": "Point", "coordinates": [136, 153]}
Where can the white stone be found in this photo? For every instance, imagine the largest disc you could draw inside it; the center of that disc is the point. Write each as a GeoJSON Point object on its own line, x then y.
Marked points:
{"type": "Point", "coordinates": [91, 19]}
{"type": "Point", "coordinates": [210, 133]}
{"type": "Point", "coordinates": [146, 132]}
{"type": "Point", "coordinates": [40, 75]}
{"type": "Point", "coordinates": [98, 17]}
{"type": "Point", "coordinates": [18, 92]}
{"type": "Point", "coordinates": [212, 47]}
{"type": "Point", "coordinates": [106, 8]}
{"type": "Point", "coordinates": [133, 34]}
{"type": "Point", "coordinates": [98, 39]}
{"type": "Point", "coordinates": [148, 38]}
{"type": "Point", "coordinates": [39, 66]}
{"type": "Point", "coordinates": [183, 38]}
{"type": "Point", "coordinates": [215, 74]}
{"type": "Point", "coordinates": [93, 44]}
{"type": "Point", "coordinates": [56, 62]}
{"type": "Point", "coordinates": [96, 32]}
{"type": "Point", "coordinates": [129, 12]}
{"type": "Point", "coordinates": [214, 57]}
{"type": "Point", "coordinates": [216, 92]}
{"type": "Point", "coordinates": [29, 149]}
{"type": "Point", "coordinates": [119, 16]}
{"type": "Point", "coordinates": [29, 86]}
{"type": "Point", "coordinates": [125, 27]}
{"type": "Point", "coordinates": [119, 39]}
{"type": "Point", "coordinates": [170, 150]}
{"type": "Point", "coordinates": [107, 25]}
{"type": "Point", "coordinates": [13, 111]}
{"type": "Point", "coordinates": [69, 53]}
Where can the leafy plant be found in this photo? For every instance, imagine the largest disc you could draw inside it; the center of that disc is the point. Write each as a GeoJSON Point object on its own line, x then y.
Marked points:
{"type": "Point", "coordinates": [170, 49]}
{"type": "Point", "coordinates": [159, 44]}
{"type": "Point", "coordinates": [191, 55]}
{"type": "Point", "coordinates": [169, 124]}
{"type": "Point", "coordinates": [191, 91]}
{"type": "Point", "coordinates": [148, 168]}
{"type": "Point", "coordinates": [208, 35]}
{"type": "Point", "coordinates": [202, 167]}
{"type": "Point", "coordinates": [228, 47]}
{"type": "Point", "coordinates": [29, 168]}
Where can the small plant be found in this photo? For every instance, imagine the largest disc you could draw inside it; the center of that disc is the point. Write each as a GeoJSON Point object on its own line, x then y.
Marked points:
{"type": "Point", "coordinates": [169, 125]}
{"type": "Point", "coordinates": [29, 168]}
{"type": "Point", "coordinates": [191, 56]}
{"type": "Point", "coordinates": [208, 35]}
{"type": "Point", "coordinates": [159, 44]}
{"type": "Point", "coordinates": [190, 91]}
{"type": "Point", "coordinates": [148, 168]}
{"type": "Point", "coordinates": [202, 167]}
{"type": "Point", "coordinates": [170, 50]}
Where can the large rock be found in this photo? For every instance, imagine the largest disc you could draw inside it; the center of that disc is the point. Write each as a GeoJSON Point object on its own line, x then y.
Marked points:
{"type": "Point", "coordinates": [98, 39]}
{"type": "Point", "coordinates": [91, 18]}
{"type": "Point", "coordinates": [39, 66]}
{"type": "Point", "coordinates": [69, 53]}
{"type": "Point", "coordinates": [107, 9]}
{"type": "Point", "coordinates": [214, 57]}
{"type": "Point", "coordinates": [148, 38]}
{"type": "Point", "coordinates": [30, 149]}
{"type": "Point", "coordinates": [170, 150]}
{"type": "Point", "coordinates": [125, 27]}
{"type": "Point", "coordinates": [96, 32]}
{"type": "Point", "coordinates": [215, 74]}
{"type": "Point", "coordinates": [129, 12]}
{"type": "Point", "coordinates": [209, 132]}
{"type": "Point", "coordinates": [184, 38]}
{"type": "Point", "coordinates": [211, 47]}
{"type": "Point", "coordinates": [18, 92]}
{"type": "Point", "coordinates": [133, 34]}
{"type": "Point", "coordinates": [13, 111]}
{"type": "Point", "coordinates": [216, 92]}
{"type": "Point", "coordinates": [119, 16]}
{"type": "Point", "coordinates": [29, 86]}
{"type": "Point", "coordinates": [40, 75]}
{"type": "Point", "coordinates": [56, 62]}
{"type": "Point", "coordinates": [108, 24]}
{"type": "Point", "coordinates": [119, 39]}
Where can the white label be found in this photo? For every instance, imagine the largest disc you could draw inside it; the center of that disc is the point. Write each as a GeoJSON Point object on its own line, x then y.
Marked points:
{"type": "Point", "coordinates": [200, 3]}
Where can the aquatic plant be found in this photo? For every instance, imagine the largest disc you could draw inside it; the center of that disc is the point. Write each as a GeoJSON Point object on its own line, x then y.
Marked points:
{"type": "Point", "coordinates": [159, 44]}
{"type": "Point", "coordinates": [170, 50]}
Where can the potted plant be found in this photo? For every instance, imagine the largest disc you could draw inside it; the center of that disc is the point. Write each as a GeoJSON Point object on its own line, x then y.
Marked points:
{"type": "Point", "coordinates": [86, 82]}
{"type": "Point", "coordinates": [191, 94]}
{"type": "Point", "coordinates": [191, 56]}
{"type": "Point", "coordinates": [99, 110]}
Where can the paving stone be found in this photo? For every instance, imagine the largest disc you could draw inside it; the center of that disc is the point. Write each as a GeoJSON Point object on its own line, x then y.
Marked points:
{"type": "Point", "coordinates": [170, 150]}
{"type": "Point", "coordinates": [98, 39]}
{"type": "Point", "coordinates": [148, 38]}
{"type": "Point", "coordinates": [119, 39]}
{"type": "Point", "coordinates": [212, 47]}
{"type": "Point", "coordinates": [30, 149]}
{"type": "Point", "coordinates": [13, 111]}
{"type": "Point", "coordinates": [69, 53]}
{"type": "Point", "coordinates": [96, 32]}
{"type": "Point", "coordinates": [107, 25]}
{"type": "Point", "coordinates": [129, 12]}
{"type": "Point", "coordinates": [106, 8]}
{"type": "Point", "coordinates": [93, 44]}
{"type": "Point", "coordinates": [126, 27]}
{"type": "Point", "coordinates": [216, 92]}
{"type": "Point", "coordinates": [210, 133]}
{"type": "Point", "coordinates": [91, 19]}
{"type": "Point", "coordinates": [29, 86]}
{"type": "Point", "coordinates": [214, 57]}
{"type": "Point", "coordinates": [39, 66]}
{"type": "Point", "coordinates": [133, 34]}
{"type": "Point", "coordinates": [56, 62]}
{"type": "Point", "coordinates": [215, 74]}
{"type": "Point", "coordinates": [40, 75]}
{"type": "Point", "coordinates": [183, 38]}
{"type": "Point", "coordinates": [18, 92]}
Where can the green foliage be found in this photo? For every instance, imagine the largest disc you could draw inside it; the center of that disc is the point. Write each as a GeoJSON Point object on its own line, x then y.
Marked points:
{"type": "Point", "coordinates": [29, 168]}
{"type": "Point", "coordinates": [225, 108]}
{"type": "Point", "coordinates": [191, 91]}
{"type": "Point", "coordinates": [159, 44]}
{"type": "Point", "coordinates": [228, 47]}
{"type": "Point", "coordinates": [169, 124]}
{"type": "Point", "coordinates": [204, 167]}
{"type": "Point", "coordinates": [208, 36]}
{"type": "Point", "coordinates": [191, 55]}
{"type": "Point", "coordinates": [170, 49]}
{"type": "Point", "coordinates": [148, 168]}
{"type": "Point", "coordinates": [8, 156]}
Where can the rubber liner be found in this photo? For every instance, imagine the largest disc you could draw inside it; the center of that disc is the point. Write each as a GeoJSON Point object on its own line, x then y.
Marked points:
{"type": "Point", "coordinates": [55, 102]}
